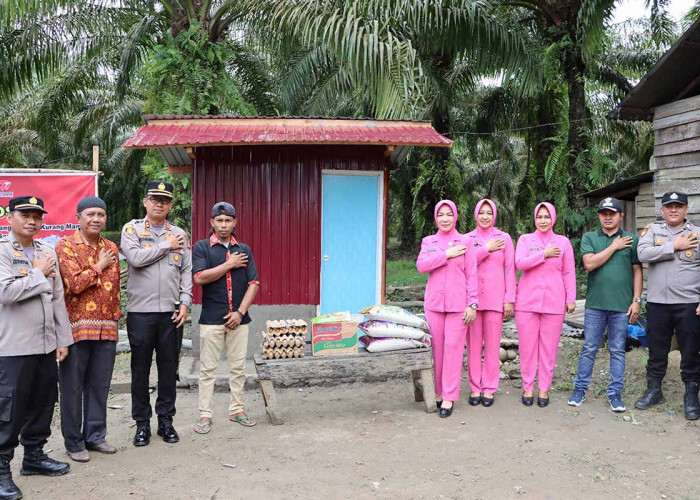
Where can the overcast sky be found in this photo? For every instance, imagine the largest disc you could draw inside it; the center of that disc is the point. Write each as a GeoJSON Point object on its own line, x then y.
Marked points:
{"type": "Point", "coordinates": [633, 9]}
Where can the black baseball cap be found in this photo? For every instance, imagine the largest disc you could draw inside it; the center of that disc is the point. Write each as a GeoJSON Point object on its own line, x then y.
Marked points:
{"type": "Point", "coordinates": [159, 188]}
{"type": "Point", "coordinates": [612, 204]}
{"type": "Point", "coordinates": [223, 208]}
{"type": "Point", "coordinates": [674, 197]}
{"type": "Point", "coordinates": [26, 203]}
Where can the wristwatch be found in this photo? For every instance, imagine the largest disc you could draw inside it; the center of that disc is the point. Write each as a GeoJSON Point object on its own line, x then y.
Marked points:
{"type": "Point", "coordinates": [473, 306]}
{"type": "Point", "coordinates": [639, 301]}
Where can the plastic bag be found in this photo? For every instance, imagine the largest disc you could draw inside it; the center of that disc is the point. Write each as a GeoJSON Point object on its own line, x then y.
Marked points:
{"type": "Point", "coordinates": [394, 314]}
{"type": "Point", "coordinates": [378, 344]}
{"type": "Point", "coordinates": [386, 329]}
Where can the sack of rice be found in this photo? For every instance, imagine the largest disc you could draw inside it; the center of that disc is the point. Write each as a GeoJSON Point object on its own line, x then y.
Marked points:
{"type": "Point", "coordinates": [394, 314]}
{"type": "Point", "coordinates": [386, 329]}
{"type": "Point", "coordinates": [378, 344]}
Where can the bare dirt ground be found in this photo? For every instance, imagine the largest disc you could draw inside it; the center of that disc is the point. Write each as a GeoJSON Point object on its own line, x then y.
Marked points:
{"type": "Point", "coordinates": [374, 441]}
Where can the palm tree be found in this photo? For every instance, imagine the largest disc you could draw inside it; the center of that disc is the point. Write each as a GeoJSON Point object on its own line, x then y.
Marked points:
{"type": "Point", "coordinates": [394, 59]}
{"type": "Point", "coordinates": [72, 73]}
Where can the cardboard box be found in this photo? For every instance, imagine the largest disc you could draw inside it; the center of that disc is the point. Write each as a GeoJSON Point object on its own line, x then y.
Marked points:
{"type": "Point", "coordinates": [334, 334]}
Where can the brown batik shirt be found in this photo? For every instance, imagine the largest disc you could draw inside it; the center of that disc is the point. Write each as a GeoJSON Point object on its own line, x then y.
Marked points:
{"type": "Point", "coordinates": [92, 295]}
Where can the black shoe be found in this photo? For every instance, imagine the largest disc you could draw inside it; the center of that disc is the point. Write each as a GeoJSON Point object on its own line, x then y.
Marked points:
{"type": "Point", "coordinates": [143, 434]}
{"type": "Point", "coordinates": [37, 463]}
{"type": "Point", "coordinates": [438, 404]}
{"type": "Point", "coordinates": [8, 488]}
{"type": "Point", "coordinates": [487, 401]}
{"type": "Point", "coordinates": [167, 431]}
{"type": "Point", "coordinates": [542, 402]}
{"type": "Point", "coordinates": [475, 400]}
{"type": "Point", "coordinates": [527, 400]}
{"type": "Point", "coordinates": [690, 401]}
{"type": "Point", "coordinates": [652, 396]}
{"type": "Point", "coordinates": [446, 412]}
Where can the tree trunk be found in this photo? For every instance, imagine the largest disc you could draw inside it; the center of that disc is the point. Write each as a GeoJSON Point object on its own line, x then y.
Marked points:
{"type": "Point", "coordinates": [579, 115]}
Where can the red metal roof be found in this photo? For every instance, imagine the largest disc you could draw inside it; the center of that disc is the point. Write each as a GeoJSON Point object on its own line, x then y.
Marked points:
{"type": "Point", "coordinates": [166, 131]}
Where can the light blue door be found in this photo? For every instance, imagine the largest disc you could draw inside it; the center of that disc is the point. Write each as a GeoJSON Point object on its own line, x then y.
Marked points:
{"type": "Point", "coordinates": [349, 242]}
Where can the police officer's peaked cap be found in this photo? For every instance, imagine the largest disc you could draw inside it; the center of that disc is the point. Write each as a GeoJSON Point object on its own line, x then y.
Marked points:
{"type": "Point", "coordinates": [25, 203]}
{"type": "Point", "coordinates": [612, 204]}
{"type": "Point", "coordinates": [159, 188]}
{"type": "Point", "coordinates": [674, 197]}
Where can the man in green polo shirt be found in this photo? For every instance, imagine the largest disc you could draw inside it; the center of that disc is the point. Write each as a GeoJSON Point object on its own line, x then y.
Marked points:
{"type": "Point", "coordinates": [613, 299]}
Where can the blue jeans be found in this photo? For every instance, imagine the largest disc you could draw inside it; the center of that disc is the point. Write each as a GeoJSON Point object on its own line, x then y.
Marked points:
{"type": "Point", "coordinates": [595, 322]}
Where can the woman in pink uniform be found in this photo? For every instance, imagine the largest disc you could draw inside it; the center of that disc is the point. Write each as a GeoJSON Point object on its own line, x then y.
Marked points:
{"type": "Point", "coordinates": [450, 300]}
{"type": "Point", "coordinates": [546, 290]}
{"type": "Point", "coordinates": [496, 273]}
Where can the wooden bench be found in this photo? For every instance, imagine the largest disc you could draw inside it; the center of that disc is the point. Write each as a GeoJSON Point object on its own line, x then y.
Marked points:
{"type": "Point", "coordinates": [348, 368]}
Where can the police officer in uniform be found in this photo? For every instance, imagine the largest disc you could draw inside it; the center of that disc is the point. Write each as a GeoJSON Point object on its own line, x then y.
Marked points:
{"type": "Point", "coordinates": [159, 293]}
{"type": "Point", "coordinates": [671, 249]}
{"type": "Point", "coordinates": [34, 336]}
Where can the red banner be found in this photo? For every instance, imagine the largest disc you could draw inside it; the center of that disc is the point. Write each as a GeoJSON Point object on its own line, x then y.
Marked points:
{"type": "Point", "coordinates": [60, 192]}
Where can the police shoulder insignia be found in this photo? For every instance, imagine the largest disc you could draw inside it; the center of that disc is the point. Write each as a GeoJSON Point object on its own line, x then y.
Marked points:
{"type": "Point", "coordinates": [129, 229]}
{"type": "Point", "coordinates": [645, 230]}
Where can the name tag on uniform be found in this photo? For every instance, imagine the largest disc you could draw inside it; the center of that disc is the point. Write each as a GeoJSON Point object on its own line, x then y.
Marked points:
{"type": "Point", "coordinates": [20, 261]}
{"type": "Point", "coordinates": [535, 248]}
{"type": "Point", "coordinates": [431, 250]}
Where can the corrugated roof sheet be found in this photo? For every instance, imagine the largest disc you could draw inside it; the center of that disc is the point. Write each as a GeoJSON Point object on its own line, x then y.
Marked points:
{"type": "Point", "coordinates": [175, 131]}
{"type": "Point", "coordinates": [148, 118]}
{"type": "Point", "coordinates": [675, 76]}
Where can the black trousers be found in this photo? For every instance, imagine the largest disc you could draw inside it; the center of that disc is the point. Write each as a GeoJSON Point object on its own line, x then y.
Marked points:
{"type": "Point", "coordinates": [28, 394]}
{"type": "Point", "coordinates": [85, 377]}
{"type": "Point", "coordinates": [150, 332]}
{"type": "Point", "coordinates": [662, 322]}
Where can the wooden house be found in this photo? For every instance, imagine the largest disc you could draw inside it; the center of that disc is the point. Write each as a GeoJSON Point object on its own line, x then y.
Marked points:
{"type": "Point", "coordinates": [669, 97]}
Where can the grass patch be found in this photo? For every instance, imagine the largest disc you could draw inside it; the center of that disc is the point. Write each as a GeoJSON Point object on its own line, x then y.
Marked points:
{"type": "Point", "coordinates": [403, 272]}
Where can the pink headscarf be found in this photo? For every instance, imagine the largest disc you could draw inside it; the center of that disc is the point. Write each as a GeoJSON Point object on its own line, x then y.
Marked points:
{"type": "Point", "coordinates": [552, 213]}
{"type": "Point", "coordinates": [452, 233]}
{"type": "Point", "coordinates": [485, 232]}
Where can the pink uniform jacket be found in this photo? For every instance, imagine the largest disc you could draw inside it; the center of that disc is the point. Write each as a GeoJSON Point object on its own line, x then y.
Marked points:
{"type": "Point", "coordinates": [452, 283]}
{"type": "Point", "coordinates": [546, 285]}
{"type": "Point", "coordinates": [495, 270]}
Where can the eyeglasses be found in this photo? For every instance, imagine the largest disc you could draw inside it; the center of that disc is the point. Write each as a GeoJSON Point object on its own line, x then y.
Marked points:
{"type": "Point", "coordinates": [160, 201]}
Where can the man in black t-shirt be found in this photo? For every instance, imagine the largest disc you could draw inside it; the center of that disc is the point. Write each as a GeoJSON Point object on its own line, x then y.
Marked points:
{"type": "Point", "coordinates": [225, 269]}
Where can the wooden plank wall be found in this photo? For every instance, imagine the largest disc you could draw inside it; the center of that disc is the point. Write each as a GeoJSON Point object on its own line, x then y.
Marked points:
{"type": "Point", "coordinates": [677, 152]}
{"type": "Point", "coordinates": [645, 211]}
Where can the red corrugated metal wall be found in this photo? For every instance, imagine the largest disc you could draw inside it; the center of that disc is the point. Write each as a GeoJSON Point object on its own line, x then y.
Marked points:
{"type": "Point", "coordinates": [277, 194]}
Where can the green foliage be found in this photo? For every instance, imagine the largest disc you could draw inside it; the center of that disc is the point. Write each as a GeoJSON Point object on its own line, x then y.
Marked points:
{"type": "Point", "coordinates": [187, 74]}
{"type": "Point", "coordinates": [403, 272]}
{"type": "Point", "coordinates": [497, 77]}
